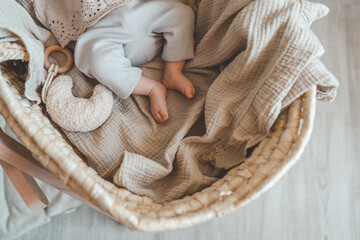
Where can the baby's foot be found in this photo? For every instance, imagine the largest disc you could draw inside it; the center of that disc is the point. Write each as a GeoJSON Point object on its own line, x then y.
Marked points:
{"type": "Point", "coordinates": [158, 104]}
{"type": "Point", "coordinates": [176, 80]}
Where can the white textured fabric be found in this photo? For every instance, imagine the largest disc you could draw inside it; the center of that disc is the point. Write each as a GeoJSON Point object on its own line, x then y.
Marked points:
{"type": "Point", "coordinates": [16, 23]}
{"type": "Point", "coordinates": [252, 59]}
{"type": "Point", "coordinates": [15, 217]}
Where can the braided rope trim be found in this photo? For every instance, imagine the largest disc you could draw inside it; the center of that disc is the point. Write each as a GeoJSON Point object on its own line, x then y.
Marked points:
{"type": "Point", "coordinates": [13, 51]}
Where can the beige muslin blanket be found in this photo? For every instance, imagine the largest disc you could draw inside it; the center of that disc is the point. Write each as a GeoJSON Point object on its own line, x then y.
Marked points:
{"type": "Point", "coordinates": [252, 59]}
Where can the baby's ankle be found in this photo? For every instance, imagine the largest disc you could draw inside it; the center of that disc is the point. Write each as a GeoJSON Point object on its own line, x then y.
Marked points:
{"type": "Point", "coordinates": [155, 88]}
{"type": "Point", "coordinates": [174, 67]}
{"type": "Point", "coordinates": [172, 74]}
{"type": "Point", "coordinates": [172, 71]}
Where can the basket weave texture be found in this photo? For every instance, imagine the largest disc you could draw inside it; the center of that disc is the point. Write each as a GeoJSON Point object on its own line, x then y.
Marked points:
{"type": "Point", "coordinates": [267, 164]}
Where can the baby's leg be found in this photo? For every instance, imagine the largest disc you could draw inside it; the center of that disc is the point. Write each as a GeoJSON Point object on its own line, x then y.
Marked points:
{"type": "Point", "coordinates": [103, 59]}
{"type": "Point", "coordinates": [174, 79]}
{"type": "Point", "coordinates": [177, 27]}
{"type": "Point", "coordinates": [157, 94]}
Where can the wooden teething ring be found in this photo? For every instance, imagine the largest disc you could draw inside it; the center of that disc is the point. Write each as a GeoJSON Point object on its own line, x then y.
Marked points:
{"type": "Point", "coordinates": [56, 48]}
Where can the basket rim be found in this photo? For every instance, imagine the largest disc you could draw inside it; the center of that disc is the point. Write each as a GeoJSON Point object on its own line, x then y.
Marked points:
{"type": "Point", "coordinates": [70, 169]}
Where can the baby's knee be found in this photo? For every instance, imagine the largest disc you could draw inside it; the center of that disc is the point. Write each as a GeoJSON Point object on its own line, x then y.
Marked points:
{"type": "Point", "coordinates": [183, 13]}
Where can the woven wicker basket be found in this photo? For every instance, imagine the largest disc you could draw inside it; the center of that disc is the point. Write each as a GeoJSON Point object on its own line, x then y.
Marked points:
{"type": "Point", "coordinates": [268, 162]}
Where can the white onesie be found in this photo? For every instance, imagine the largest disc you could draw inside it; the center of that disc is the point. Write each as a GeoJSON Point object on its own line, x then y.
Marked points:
{"type": "Point", "coordinates": [132, 35]}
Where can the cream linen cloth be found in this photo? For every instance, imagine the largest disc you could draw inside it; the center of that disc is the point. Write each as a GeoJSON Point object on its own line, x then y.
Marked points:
{"type": "Point", "coordinates": [15, 217]}
{"type": "Point", "coordinates": [16, 23]}
{"type": "Point", "coordinates": [252, 59]}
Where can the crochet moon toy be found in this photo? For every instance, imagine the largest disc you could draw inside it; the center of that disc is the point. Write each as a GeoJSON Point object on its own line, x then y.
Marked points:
{"type": "Point", "coordinates": [78, 114]}
{"type": "Point", "coordinates": [69, 112]}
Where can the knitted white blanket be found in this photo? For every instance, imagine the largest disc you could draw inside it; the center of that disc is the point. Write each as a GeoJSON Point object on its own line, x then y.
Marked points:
{"type": "Point", "coordinates": [252, 59]}
{"type": "Point", "coordinates": [67, 19]}
{"type": "Point", "coordinates": [15, 24]}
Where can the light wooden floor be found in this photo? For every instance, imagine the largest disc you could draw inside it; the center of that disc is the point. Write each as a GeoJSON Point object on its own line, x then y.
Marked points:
{"type": "Point", "coordinates": [318, 199]}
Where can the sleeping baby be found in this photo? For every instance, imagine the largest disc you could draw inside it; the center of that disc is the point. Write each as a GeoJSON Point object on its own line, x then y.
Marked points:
{"type": "Point", "coordinates": [131, 35]}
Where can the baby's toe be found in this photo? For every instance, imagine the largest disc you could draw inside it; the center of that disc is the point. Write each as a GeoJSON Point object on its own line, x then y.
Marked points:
{"type": "Point", "coordinates": [164, 115]}
{"type": "Point", "coordinates": [158, 118]}
{"type": "Point", "coordinates": [161, 116]}
{"type": "Point", "coordinates": [190, 92]}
